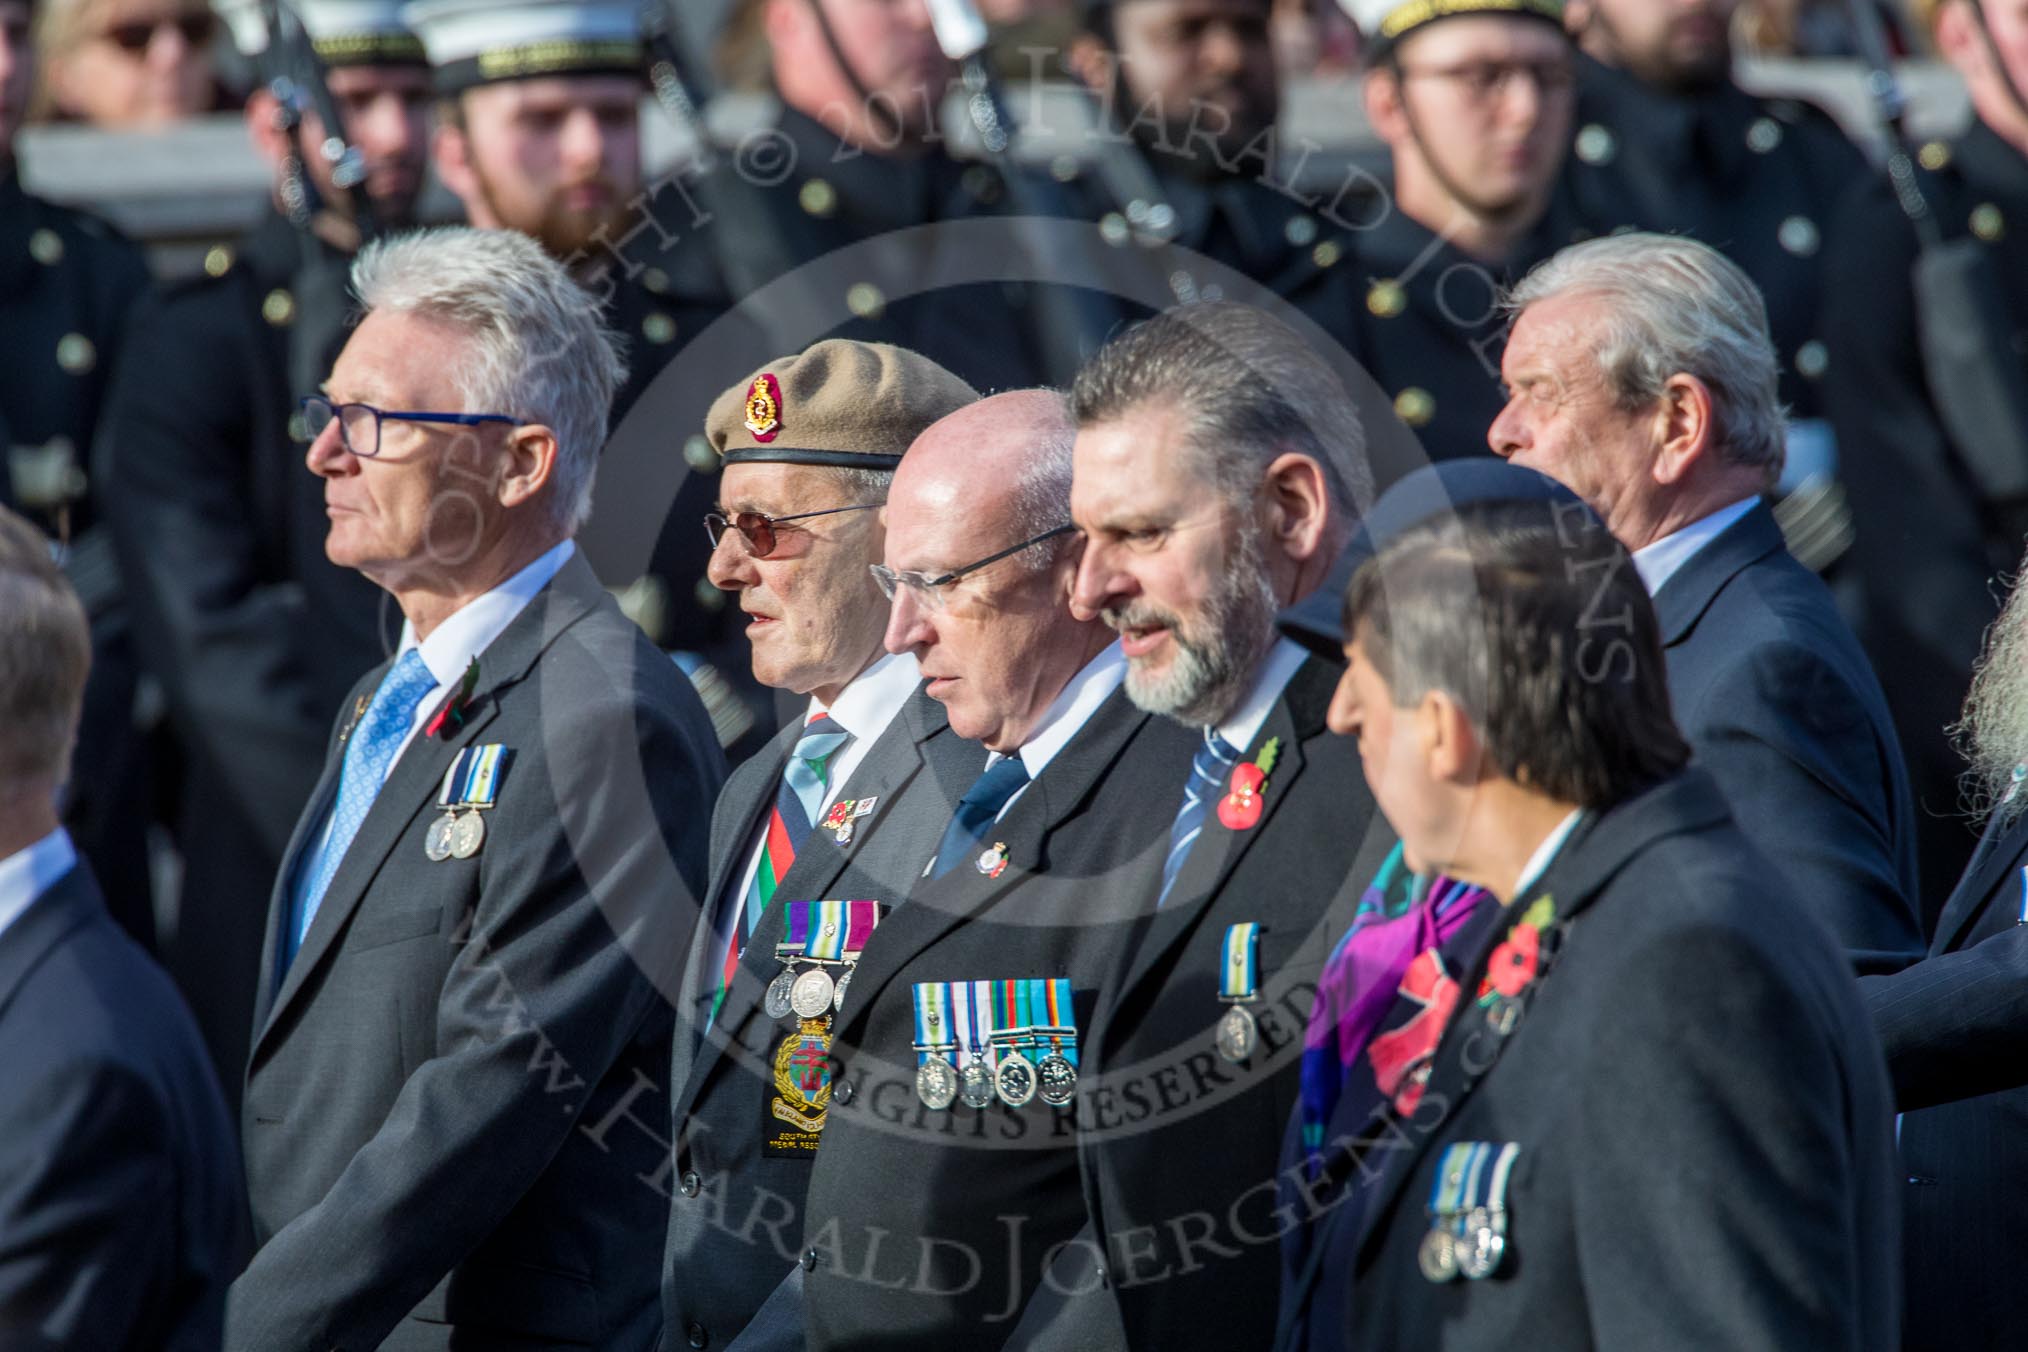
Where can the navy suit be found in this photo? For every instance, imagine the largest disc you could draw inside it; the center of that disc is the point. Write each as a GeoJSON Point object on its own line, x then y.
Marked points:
{"type": "Point", "coordinates": [1705, 1129]}
{"type": "Point", "coordinates": [122, 1213]}
{"type": "Point", "coordinates": [1781, 706]}
{"type": "Point", "coordinates": [1955, 1029]}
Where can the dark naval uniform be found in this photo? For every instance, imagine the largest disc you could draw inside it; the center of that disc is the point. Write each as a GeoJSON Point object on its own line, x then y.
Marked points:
{"type": "Point", "coordinates": [1933, 531]}
{"type": "Point", "coordinates": [66, 282]}
{"type": "Point", "coordinates": [845, 221]}
{"type": "Point", "coordinates": [1427, 325]}
{"type": "Point", "coordinates": [1752, 177]}
{"type": "Point", "coordinates": [254, 635]}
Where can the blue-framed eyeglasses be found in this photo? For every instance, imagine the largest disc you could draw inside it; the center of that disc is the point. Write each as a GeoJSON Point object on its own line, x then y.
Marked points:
{"type": "Point", "coordinates": [930, 591]}
{"type": "Point", "coordinates": [359, 424]}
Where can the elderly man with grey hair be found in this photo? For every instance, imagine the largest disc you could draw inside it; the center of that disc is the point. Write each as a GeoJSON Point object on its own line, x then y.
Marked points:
{"type": "Point", "coordinates": [508, 838]}
{"type": "Point", "coordinates": [1641, 375]}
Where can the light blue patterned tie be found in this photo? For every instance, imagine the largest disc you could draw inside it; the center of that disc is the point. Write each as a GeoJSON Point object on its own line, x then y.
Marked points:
{"type": "Point", "coordinates": [368, 753]}
{"type": "Point", "coordinates": [1208, 769]}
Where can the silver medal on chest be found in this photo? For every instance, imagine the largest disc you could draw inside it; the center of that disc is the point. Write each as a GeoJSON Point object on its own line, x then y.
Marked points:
{"type": "Point", "coordinates": [810, 997]}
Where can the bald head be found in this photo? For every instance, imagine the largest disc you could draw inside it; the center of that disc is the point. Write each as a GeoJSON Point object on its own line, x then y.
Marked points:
{"type": "Point", "coordinates": [999, 643]}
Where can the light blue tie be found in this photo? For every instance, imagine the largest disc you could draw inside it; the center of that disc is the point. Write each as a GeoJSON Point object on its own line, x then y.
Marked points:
{"type": "Point", "coordinates": [368, 753]}
{"type": "Point", "coordinates": [1208, 769]}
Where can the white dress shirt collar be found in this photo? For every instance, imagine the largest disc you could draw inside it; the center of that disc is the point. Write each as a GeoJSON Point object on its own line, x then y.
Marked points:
{"type": "Point", "coordinates": [27, 874]}
{"type": "Point", "coordinates": [1070, 711]}
{"type": "Point", "coordinates": [470, 630]}
{"type": "Point", "coordinates": [869, 703]}
{"type": "Point", "coordinates": [1280, 667]}
{"type": "Point", "coordinates": [1545, 853]}
{"type": "Point", "coordinates": [1659, 562]}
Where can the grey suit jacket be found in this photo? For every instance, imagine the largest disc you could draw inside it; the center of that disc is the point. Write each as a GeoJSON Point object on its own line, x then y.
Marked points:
{"type": "Point", "coordinates": [452, 1113]}
{"type": "Point", "coordinates": [735, 1212]}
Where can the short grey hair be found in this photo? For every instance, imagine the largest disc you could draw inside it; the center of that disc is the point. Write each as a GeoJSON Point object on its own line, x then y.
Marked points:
{"type": "Point", "coordinates": [540, 350]}
{"type": "Point", "coordinates": [1250, 387]}
{"type": "Point", "coordinates": [1675, 306]}
{"type": "Point", "coordinates": [45, 655]}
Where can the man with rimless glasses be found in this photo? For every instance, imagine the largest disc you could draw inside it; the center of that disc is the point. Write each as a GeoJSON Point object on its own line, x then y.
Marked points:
{"type": "Point", "coordinates": [865, 774]}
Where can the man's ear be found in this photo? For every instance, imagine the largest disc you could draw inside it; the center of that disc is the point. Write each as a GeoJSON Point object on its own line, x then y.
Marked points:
{"type": "Point", "coordinates": [1381, 91]}
{"type": "Point", "coordinates": [451, 148]}
{"type": "Point", "coordinates": [1298, 505]}
{"type": "Point", "coordinates": [1449, 741]}
{"type": "Point", "coordinates": [528, 464]}
{"type": "Point", "coordinates": [1683, 428]}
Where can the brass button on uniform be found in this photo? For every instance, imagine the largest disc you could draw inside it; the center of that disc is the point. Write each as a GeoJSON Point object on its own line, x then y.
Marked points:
{"type": "Point", "coordinates": [217, 261]}
{"type": "Point", "coordinates": [1933, 156]}
{"type": "Point", "coordinates": [1987, 222]}
{"type": "Point", "coordinates": [658, 328]}
{"type": "Point", "coordinates": [865, 300]}
{"type": "Point", "coordinates": [76, 354]}
{"type": "Point", "coordinates": [45, 246]}
{"type": "Point", "coordinates": [279, 309]}
{"type": "Point", "coordinates": [1596, 144]}
{"type": "Point", "coordinates": [1386, 299]}
{"type": "Point", "coordinates": [1415, 406]}
{"type": "Point", "coordinates": [818, 198]}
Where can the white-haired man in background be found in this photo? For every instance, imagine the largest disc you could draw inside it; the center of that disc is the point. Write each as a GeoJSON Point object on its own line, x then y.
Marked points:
{"type": "Point", "coordinates": [511, 825]}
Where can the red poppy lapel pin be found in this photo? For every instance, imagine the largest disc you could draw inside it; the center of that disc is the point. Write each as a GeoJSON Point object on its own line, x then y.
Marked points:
{"type": "Point", "coordinates": [451, 717]}
{"type": "Point", "coordinates": [1240, 808]}
{"type": "Point", "coordinates": [1515, 965]}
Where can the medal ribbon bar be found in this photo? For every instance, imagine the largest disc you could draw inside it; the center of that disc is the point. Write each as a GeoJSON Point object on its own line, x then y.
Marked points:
{"type": "Point", "coordinates": [1239, 975]}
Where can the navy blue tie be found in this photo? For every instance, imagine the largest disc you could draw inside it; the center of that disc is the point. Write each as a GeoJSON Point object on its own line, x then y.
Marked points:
{"type": "Point", "coordinates": [1208, 770]}
{"type": "Point", "coordinates": [977, 811]}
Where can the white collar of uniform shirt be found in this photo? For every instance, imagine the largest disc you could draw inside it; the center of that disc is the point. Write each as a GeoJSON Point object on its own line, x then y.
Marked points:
{"type": "Point", "coordinates": [865, 708]}
{"type": "Point", "coordinates": [1280, 667]}
{"type": "Point", "coordinates": [1067, 714]}
{"type": "Point", "coordinates": [1659, 562]}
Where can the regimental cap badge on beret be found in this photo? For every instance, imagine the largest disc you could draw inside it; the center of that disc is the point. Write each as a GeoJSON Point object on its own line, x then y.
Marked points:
{"type": "Point", "coordinates": [842, 403]}
{"type": "Point", "coordinates": [764, 408]}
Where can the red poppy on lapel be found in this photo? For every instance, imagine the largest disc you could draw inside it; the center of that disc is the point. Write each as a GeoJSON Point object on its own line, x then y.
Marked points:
{"type": "Point", "coordinates": [451, 717]}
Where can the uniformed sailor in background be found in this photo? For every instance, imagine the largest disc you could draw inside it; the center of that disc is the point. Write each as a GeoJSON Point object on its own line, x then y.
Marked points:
{"type": "Point", "coordinates": [219, 525]}
{"type": "Point", "coordinates": [539, 130]}
{"type": "Point", "coordinates": [1667, 141]}
{"type": "Point", "coordinates": [1938, 470]}
{"type": "Point", "coordinates": [66, 282]}
{"type": "Point", "coordinates": [1186, 153]}
{"type": "Point", "coordinates": [1474, 100]}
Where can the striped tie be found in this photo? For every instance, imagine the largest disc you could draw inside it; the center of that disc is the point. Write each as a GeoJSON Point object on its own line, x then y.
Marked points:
{"type": "Point", "coordinates": [1208, 770]}
{"type": "Point", "coordinates": [797, 798]}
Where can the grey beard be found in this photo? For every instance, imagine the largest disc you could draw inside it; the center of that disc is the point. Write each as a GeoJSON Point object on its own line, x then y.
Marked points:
{"type": "Point", "coordinates": [1214, 668]}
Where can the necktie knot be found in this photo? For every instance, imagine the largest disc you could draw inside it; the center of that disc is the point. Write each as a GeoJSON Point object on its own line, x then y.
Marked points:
{"type": "Point", "coordinates": [979, 809]}
{"type": "Point", "coordinates": [1208, 770]}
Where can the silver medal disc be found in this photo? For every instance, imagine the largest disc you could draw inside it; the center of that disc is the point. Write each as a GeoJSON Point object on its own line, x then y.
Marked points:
{"type": "Point", "coordinates": [468, 835]}
{"type": "Point", "coordinates": [776, 1003]}
{"type": "Point", "coordinates": [1015, 1079]}
{"type": "Point", "coordinates": [437, 844]}
{"type": "Point", "coordinates": [975, 1084]}
{"type": "Point", "coordinates": [1480, 1252]}
{"type": "Point", "coordinates": [838, 993]}
{"type": "Point", "coordinates": [1056, 1079]}
{"type": "Point", "coordinates": [1438, 1255]}
{"type": "Point", "coordinates": [936, 1084]}
{"type": "Point", "coordinates": [810, 997]}
{"type": "Point", "coordinates": [1237, 1034]}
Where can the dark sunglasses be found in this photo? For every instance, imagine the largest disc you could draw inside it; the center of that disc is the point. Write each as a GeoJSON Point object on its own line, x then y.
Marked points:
{"type": "Point", "coordinates": [758, 528]}
{"type": "Point", "coordinates": [134, 38]}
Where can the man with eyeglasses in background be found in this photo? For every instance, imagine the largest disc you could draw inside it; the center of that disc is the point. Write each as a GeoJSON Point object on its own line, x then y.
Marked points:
{"type": "Point", "coordinates": [458, 999]}
{"type": "Point", "coordinates": [219, 529]}
{"type": "Point", "coordinates": [809, 445]}
{"type": "Point", "coordinates": [1474, 101]}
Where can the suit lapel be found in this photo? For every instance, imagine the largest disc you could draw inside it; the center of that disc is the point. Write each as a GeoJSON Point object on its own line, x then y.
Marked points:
{"type": "Point", "coordinates": [1986, 874]}
{"type": "Point", "coordinates": [1685, 597]}
{"type": "Point", "coordinates": [935, 908]}
{"type": "Point", "coordinates": [1296, 715]}
{"type": "Point", "coordinates": [728, 866]}
{"type": "Point", "coordinates": [411, 786]}
{"type": "Point", "coordinates": [69, 902]}
{"type": "Point", "coordinates": [889, 767]}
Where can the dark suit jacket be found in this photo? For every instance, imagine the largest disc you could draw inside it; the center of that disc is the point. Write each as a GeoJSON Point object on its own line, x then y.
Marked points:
{"type": "Point", "coordinates": [736, 1213]}
{"type": "Point", "coordinates": [1706, 1131]}
{"type": "Point", "coordinates": [1179, 1146]}
{"type": "Point", "coordinates": [1780, 705]}
{"type": "Point", "coordinates": [1955, 1028]}
{"type": "Point", "coordinates": [452, 1112]}
{"type": "Point", "coordinates": [929, 1229]}
{"type": "Point", "coordinates": [122, 1213]}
